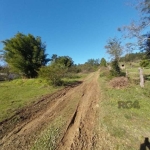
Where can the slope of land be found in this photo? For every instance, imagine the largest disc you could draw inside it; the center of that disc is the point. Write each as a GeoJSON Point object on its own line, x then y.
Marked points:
{"type": "Point", "coordinates": [79, 103]}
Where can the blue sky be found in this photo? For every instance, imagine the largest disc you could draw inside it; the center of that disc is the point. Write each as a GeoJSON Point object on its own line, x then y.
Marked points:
{"type": "Point", "coordinates": [76, 28]}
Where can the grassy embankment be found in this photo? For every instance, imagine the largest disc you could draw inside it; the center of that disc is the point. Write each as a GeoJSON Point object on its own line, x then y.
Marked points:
{"type": "Point", "coordinates": [18, 93]}
{"type": "Point", "coordinates": [124, 128]}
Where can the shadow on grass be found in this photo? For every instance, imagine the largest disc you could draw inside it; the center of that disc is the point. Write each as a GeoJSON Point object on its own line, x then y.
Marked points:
{"type": "Point", "coordinates": [71, 83]}
{"type": "Point", "coordinates": [145, 145]}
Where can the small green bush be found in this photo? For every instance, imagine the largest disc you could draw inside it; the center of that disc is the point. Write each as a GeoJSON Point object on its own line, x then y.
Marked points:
{"type": "Point", "coordinates": [103, 62]}
{"type": "Point", "coordinates": [54, 73]}
{"type": "Point", "coordinates": [116, 71]}
{"type": "Point", "coordinates": [145, 63]}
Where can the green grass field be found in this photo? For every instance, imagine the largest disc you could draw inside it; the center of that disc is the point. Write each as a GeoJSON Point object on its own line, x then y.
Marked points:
{"type": "Point", "coordinates": [127, 127]}
{"type": "Point", "coordinates": [18, 93]}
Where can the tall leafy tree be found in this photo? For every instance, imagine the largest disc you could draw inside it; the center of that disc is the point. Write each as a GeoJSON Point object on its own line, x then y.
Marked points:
{"type": "Point", "coordinates": [25, 54]}
{"type": "Point", "coordinates": [115, 50]}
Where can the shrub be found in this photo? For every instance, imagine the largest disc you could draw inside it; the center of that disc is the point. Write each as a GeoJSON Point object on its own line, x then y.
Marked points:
{"type": "Point", "coordinates": [103, 62]}
{"type": "Point", "coordinates": [115, 69]}
{"type": "Point", "coordinates": [145, 63]}
{"type": "Point", "coordinates": [54, 73]}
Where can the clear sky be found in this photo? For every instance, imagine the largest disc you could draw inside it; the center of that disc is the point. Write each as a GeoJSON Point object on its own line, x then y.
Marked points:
{"type": "Point", "coordinates": [76, 28]}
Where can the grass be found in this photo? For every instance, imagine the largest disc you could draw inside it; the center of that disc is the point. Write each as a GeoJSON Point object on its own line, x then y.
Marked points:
{"type": "Point", "coordinates": [74, 79]}
{"type": "Point", "coordinates": [48, 138]}
{"type": "Point", "coordinates": [125, 128]}
{"type": "Point", "coordinates": [18, 93]}
{"type": "Point", "coordinates": [51, 136]}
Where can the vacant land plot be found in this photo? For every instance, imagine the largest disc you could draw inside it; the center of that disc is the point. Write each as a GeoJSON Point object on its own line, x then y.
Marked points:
{"type": "Point", "coordinates": [86, 115]}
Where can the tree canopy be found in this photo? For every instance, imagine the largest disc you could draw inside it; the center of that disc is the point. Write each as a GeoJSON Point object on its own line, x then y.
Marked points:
{"type": "Point", "coordinates": [114, 49]}
{"type": "Point", "coordinates": [92, 62]}
{"type": "Point", "coordinates": [145, 45]}
{"type": "Point", "coordinates": [25, 54]}
{"type": "Point", "coordinates": [62, 60]}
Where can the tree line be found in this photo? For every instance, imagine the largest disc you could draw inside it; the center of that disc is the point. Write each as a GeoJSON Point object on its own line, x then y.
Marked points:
{"type": "Point", "coordinates": [26, 56]}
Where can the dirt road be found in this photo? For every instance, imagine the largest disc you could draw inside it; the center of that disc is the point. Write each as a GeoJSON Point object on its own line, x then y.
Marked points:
{"type": "Point", "coordinates": [78, 133]}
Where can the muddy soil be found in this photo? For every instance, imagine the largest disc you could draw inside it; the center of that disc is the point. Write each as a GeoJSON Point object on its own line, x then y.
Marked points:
{"type": "Point", "coordinates": [20, 131]}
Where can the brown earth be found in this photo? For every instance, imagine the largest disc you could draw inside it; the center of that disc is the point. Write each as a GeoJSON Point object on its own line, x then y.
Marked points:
{"type": "Point", "coordinates": [20, 131]}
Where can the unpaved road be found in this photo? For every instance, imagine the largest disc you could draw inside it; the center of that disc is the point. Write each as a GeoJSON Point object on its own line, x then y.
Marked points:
{"type": "Point", "coordinates": [78, 133]}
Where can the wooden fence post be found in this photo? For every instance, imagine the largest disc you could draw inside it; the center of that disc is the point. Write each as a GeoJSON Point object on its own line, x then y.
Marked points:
{"type": "Point", "coordinates": [141, 77]}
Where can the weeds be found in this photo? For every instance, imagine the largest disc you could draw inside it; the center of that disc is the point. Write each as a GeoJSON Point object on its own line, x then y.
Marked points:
{"type": "Point", "coordinates": [48, 139]}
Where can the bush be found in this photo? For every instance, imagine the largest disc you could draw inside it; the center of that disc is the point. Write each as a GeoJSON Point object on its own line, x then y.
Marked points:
{"type": "Point", "coordinates": [115, 68]}
{"type": "Point", "coordinates": [145, 63]}
{"type": "Point", "coordinates": [103, 62]}
{"type": "Point", "coordinates": [54, 73]}
{"type": "Point", "coordinates": [114, 72]}
{"type": "Point", "coordinates": [104, 72]}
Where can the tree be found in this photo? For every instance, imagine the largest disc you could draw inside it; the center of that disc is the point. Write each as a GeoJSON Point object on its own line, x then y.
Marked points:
{"type": "Point", "coordinates": [137, 27]}
{"type": "Point", "coordinates": [58, 68]}
{"type": "Point", "coordinates": [1, 55]}
{"type": "Point", "coordinates": [114, 48]}
{"type": "Point", "coordinates": [145, 45]}
{"type": "Point", "coordinates": [115, 71]}
{"type": "Point", "coordinates": [25, 54]}
{"type": "Point", "coordinates": [53, 58]}
{"type": "Point", "coordinates": [92, 62]}
{"type": "Point", "coordinates": [103, 62]}
{"type": "Point", "coordinates": [63, 60]}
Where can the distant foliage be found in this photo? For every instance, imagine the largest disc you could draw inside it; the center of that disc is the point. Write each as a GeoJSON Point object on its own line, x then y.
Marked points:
{"type": "Point", "coordinates": [25, 54]}
{"type": "Point", "coordinates": [54, 73]}
{"type": "Point", "coordinates": [92, 62]}
{"type": "Point", "coordinates": [63, 60]}
{"type": "Point", "coordinates": [103, 62]}
{"type": "Point", "coordinates": [59, 67]}
{"type": "Point", "coordinates": [115, 71]}
{"type": "Point", "coordinates": [132, 57]}
{"type": "Point", "coordinates": [145, 63]}
{"type": "Point", "coordinates": [145, 45]}
{"type": "Point", "coordinates": [89, 66]}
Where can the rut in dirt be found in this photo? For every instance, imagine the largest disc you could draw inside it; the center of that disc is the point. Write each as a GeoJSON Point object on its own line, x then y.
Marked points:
{"type": "Point", "coordinates": [80, 132]}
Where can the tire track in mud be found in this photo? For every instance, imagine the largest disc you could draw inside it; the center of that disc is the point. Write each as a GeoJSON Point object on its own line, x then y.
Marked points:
{"type": "Point", "coordinates": [78, 133]}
